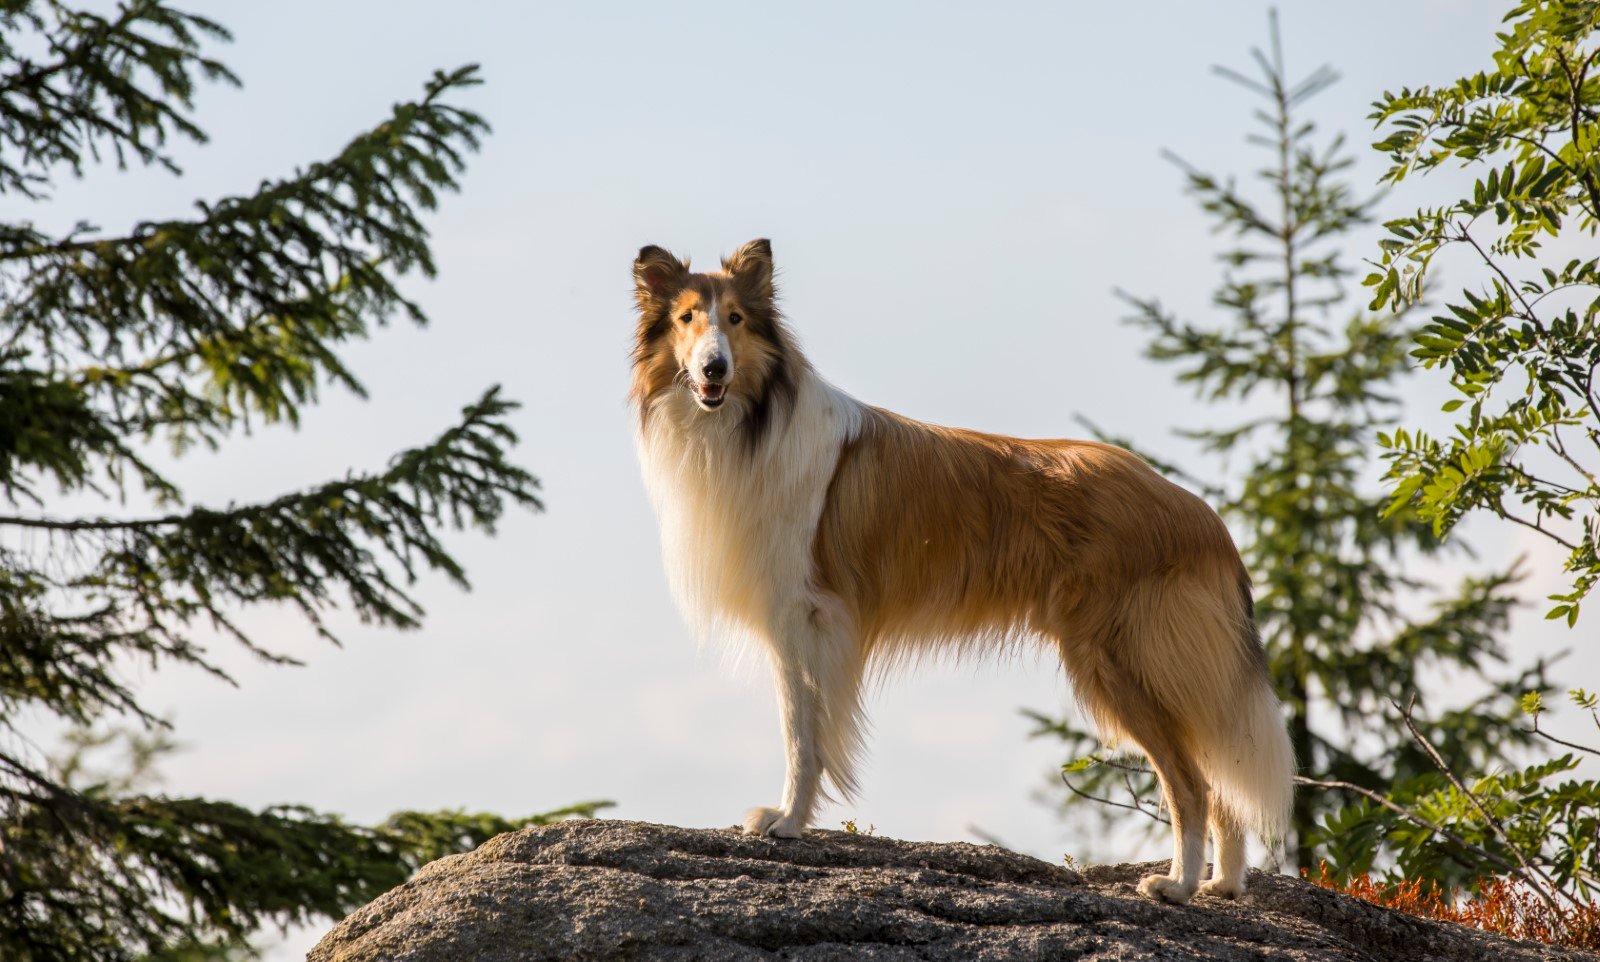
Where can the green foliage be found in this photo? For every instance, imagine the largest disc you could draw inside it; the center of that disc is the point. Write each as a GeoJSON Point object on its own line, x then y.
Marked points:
{"type": "Point", "coordinates": [418, 838]}
{"type": "Point", "coordinates": [181, 333]}
{"type": "Point", "coordinates": [113, 870]}
{"type": "Point", "coordinates": [1347, 626]}
{"type": "Point", "coordinates": [1522, 344]}
{"type": "Point", "coordinates": [122, 84]}
{"type": "Point", "coordinates": [1538, 822]}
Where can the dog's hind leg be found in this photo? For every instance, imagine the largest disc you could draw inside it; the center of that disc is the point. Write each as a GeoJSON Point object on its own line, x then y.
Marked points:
{"type": "Point", "coordinates": [1186, 796]}
{"type": "Point", "coordinates": [816, 667]}
{"type": "Point", "coordinates": [1228, 871]}
{"type": "Point", "coordinates": [1124, 710]}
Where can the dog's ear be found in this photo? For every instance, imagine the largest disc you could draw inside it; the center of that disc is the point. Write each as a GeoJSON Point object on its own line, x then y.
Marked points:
{"type": "Point", "coordinates": [751, 269]}
{"type": "Point", "coordinates": [657, 275]}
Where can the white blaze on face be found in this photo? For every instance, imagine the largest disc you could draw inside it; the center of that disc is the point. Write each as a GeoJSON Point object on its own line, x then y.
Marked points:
{"type": "Point", "coordinates": [713, 342]}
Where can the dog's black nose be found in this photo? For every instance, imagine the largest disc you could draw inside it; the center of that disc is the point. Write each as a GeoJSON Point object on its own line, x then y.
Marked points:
{"type": "Point", "coordinates": [716, 368]}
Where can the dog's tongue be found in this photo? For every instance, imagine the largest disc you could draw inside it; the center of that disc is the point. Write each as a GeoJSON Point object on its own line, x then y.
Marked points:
{"type": "Point", "coordinates": [713, 391]}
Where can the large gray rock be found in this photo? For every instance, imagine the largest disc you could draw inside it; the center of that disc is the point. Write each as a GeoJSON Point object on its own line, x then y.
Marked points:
{"type": "Point", "coordinates": [604, 889]}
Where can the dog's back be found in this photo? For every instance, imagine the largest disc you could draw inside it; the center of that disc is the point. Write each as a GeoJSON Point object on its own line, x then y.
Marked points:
{"type": "Point", "coordinates": [938, 537]}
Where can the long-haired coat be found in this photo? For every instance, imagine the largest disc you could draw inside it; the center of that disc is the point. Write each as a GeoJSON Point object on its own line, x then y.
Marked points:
{"type": "Point", "coordinates": [842, 535]}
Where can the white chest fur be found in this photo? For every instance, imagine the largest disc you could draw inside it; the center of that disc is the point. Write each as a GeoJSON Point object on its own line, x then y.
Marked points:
{"type": "Point", "coordinates": [737, 524]}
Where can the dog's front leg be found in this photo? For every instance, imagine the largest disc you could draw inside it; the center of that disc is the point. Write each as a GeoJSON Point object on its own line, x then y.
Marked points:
{"type": "Point", "coordinates": [800, 710]}
{"type": "Point", "coordinates": [816, 664]}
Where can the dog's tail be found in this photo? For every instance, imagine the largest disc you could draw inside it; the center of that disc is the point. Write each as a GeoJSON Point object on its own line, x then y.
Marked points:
{"type": "Point", "coordinates": [1193, 648]}
{"type": "Point", "coordinates": [1245, 753]}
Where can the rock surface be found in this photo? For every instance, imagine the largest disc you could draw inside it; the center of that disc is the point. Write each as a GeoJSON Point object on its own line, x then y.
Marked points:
{"type": "Point", "coordinates": [604, 889]}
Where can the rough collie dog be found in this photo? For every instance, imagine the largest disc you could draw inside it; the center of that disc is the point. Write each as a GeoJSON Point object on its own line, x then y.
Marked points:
{"type": "Point", "coordinates": [843, 537]}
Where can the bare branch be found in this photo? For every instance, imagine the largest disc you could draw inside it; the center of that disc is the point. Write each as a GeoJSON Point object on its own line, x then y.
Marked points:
{"type": "Point", "coordinates": [1502, 512]}
{"type": "Point", "coordinates": [1527, 308]}
{"type": "Point", "coordinates": [88, 524]}
{"type": "Point", "coordinates": [1561, 741]}
{"type": "Point", "coordinates": [1575, 84]}
{"type": "Point", "coordinates": [1541, 883]}
{"type": "Point", "coordinates": [1561, 450]}
{"type": "Point", "coordinates": [1135, 807]}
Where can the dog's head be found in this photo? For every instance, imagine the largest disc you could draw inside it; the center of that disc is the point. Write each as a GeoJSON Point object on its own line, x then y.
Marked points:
{"type": "Point", "coordinates": [715, 336]}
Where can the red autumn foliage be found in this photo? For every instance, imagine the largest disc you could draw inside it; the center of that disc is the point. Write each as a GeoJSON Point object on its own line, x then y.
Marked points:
{"type": "Point", "coordinates": [1508, 906]}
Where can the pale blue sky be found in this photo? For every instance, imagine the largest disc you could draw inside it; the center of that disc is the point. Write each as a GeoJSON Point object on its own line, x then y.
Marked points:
{"type": "Point", "coordinates": [952, 191]}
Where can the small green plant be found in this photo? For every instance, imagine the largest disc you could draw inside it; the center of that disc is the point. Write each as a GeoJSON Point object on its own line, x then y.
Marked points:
{"type": "Point", "coordinates": [851, 828]}
{"type": "Point", "coordinates": [1537, 824]}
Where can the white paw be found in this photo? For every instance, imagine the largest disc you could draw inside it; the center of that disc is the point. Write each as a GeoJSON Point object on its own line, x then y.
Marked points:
{"type": "Point", "coordinates": [771, 821]}
{"type": "Point", "coordinates": [1165, 888]}
{"type": "Point", "coordinates": [1223, 888]}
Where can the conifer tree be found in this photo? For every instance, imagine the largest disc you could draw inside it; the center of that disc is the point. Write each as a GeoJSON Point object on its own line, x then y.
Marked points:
{"type": "Point", "coordinates": [1340, 612]}
{"type": "Point", "coordinates": [177, 334]}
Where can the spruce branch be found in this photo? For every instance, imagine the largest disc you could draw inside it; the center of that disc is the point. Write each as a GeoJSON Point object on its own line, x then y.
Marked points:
{"type": "Point", "coordinates": [124, 83]}
{"type": "Point", "coordinates": [187, 330]}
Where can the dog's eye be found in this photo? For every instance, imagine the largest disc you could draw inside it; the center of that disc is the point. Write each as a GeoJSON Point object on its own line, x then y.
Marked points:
{"type": "Point", "coordinates": [687, 316]}
{"type": "Point", "coordinates": [735, 318]}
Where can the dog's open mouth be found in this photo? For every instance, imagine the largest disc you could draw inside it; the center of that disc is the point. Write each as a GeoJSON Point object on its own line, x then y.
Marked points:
{"type": "Point", "coordinates": [709, 395]}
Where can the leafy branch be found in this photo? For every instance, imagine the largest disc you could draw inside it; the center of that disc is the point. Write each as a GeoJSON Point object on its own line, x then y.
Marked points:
{"type": "Point", "coordinates": [1523, 362]}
